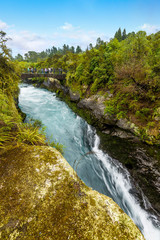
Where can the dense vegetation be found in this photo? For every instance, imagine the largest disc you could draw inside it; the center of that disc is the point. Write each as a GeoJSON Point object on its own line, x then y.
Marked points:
{"type": "Point", "coordinates": [33, 56]}
{"type": "Point", "coordinates": [12, 130]}
{"type": "Point", "coordinates": [128, 67]}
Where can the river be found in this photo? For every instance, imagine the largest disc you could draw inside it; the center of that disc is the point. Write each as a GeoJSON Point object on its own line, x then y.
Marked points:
{"type": "Point", "coordinates": [81, 149]}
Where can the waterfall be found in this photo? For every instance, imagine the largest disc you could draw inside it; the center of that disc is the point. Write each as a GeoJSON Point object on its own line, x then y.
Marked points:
{"type": "Point", "coordinates": [118, 184]}
{"type": "Point", "coordinates": [82, 150]}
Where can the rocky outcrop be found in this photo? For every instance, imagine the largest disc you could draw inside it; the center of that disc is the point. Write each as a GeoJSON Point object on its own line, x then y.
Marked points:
{"type": "Point", "coordinates": [55, 85]}
{"type": "Point", "coordinates": [52, 83]}
{"type": "Point", "coordinates": [42, 198]}
{"type": "Point", "coordinates": [111, 125]}
{"type": "Point", "coordinates": [120, 133]}
{"type": "Point", "coordinates": [74, 96]}
{"type": "Point", "coordinates": [96, 105]}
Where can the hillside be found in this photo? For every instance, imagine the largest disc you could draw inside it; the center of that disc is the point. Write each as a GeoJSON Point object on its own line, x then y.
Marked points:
{"type": "Point", "coordinates": [125, 73]}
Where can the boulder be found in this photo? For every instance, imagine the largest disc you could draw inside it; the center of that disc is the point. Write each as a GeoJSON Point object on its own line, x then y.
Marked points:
{"type": "Point", "coordinates": [121, 134]}
{"type": "Point", "coordinates": [96, 105]}
{"type": "Point", "coordinates": [74, 97]}
{"type": "Point", "coordinates": [52, 83]}
{"type": "Point", "coordinates": [41, 197]}
{"type": "Point", "coordinates": [126, 125]}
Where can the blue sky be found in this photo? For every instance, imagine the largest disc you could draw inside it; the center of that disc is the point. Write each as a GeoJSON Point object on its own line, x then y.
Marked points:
{"type": "Point", "coordinates": [37, 25]}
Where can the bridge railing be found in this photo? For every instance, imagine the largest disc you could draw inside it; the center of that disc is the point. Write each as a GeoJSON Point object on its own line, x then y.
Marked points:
{"type": "Point", "coordinates": [43, 71]}
{"type": "Point", "coordinates": [25, 76]}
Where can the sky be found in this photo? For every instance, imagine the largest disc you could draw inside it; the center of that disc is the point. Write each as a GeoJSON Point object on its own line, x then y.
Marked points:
{"type": "Point", "coordinates": [35, 25]}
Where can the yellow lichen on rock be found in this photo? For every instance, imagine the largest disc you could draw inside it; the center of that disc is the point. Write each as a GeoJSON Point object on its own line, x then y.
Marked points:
{"type": "Point", "coordinates": [42, 198]}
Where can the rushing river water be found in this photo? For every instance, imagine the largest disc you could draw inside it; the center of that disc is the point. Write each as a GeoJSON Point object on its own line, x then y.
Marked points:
{"type": "Point", "coordinates": [96, 168]}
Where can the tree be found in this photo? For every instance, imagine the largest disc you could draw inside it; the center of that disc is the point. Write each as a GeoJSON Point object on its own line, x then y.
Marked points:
{"type": "Point", "coordinates": [90, 46]}
{"type": "Point", "coordinates": [131, 34]}
{"type": "Point", "coordinates": [118, 35]}
{"type": "Point", "coordinates": [65, 49]}
{"type": "Point", "coordinates": [4, 50]}
{"type": "Point", "coordinates": [124, 35]}
{"type": "Point", "coordinates": [19, 57]}
{"type": "Point", "coordinates": [132, 60]}
{"type": "Point", "coordinates": [155, 56]}
{"type": "Point", "coordinates": [33, 56]}
{"type": "Point", "coordinates": [72, 49]}
{"type": "Point", "coordinates": [8, 71]}
{"type": "Point", "coordinates": [78, 49]}
{"type": "Point", "coordinates": [42, 55]}
{"type": "Point", "coordinates": [53, 51]}
{"type": "Point", "coordinates": [99, 42]}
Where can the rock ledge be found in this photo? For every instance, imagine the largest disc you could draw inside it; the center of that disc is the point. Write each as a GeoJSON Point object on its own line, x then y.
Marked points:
{"type": "Point", "coordinates": [42, 198]}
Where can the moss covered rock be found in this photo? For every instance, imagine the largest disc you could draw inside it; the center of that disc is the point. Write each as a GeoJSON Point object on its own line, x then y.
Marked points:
{"type": "Point", "coordinates": [42, 198]}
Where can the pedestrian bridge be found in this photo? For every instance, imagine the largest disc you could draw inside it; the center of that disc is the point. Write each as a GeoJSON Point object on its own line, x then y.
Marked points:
{"type": "Point", "coordinates": [26, 76]}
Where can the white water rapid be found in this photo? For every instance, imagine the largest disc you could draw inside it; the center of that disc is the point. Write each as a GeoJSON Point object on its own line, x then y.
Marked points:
{"type": "Point", "coordinates": [96, 168]}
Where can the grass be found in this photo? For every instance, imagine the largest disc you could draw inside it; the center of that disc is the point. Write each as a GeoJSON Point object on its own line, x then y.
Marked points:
{"type": "Point", "coordinates": [29, 134]}
{"type": "Point", "coordinates": [13, 130]}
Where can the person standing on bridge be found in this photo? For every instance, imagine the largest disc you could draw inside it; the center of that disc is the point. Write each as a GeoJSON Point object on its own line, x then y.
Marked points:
{"type": "Point", "coordinates": [41, 70]}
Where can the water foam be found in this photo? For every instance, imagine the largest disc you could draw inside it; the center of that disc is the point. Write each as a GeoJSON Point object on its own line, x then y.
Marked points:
{"type": "Point", "coordinates": [119, 185]}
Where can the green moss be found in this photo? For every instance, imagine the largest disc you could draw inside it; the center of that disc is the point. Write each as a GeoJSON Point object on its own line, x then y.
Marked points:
{"type": "Point", "coordinates": [12, 128]}
{"type": "Point", "coordinates": [42, 198]}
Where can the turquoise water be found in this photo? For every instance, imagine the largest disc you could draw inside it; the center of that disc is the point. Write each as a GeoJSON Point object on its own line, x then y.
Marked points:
{"type": "Point", "coordinates": [96, 168]}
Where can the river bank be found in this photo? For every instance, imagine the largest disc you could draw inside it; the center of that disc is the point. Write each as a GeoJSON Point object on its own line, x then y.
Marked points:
{"type": "Point", "coordinates": [141, 160]}
{"type": "Point", "coordinates": [82, 150]}
{"type": "Point", "coordinates": [41, 196]}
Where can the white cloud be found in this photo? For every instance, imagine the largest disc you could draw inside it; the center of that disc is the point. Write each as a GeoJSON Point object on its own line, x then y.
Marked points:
{"type": "Point", "coordinates": [150, 28]}
{"type": "Point", "coordinates": [24, 41]}
{"type": "Point", "coordinates": [77, 36]}
{"type": "Point", "coordinates": [3, 25]}
{"type": "Point", "coordinates": [67, 26]}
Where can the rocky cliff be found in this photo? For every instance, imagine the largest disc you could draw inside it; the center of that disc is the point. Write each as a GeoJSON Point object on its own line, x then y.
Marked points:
{"type": "Point", "coordinates": [141, 160]}
{"type": "Point", "coordinates": [95, 108]}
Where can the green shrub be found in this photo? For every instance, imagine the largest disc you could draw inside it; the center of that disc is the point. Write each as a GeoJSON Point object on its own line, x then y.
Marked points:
{"type": "Point", "coordinates": [98, 83]}
{"type": "Point", "coordinates": [146, 111]}
{"type": "Point", "coordinates": [110, 109]}
{"type": "Point", "coordinates": [121, 114]}
{"type": "Point", "coordinates": [4, 137]}
{"type": "Point", "coordinates": [36, 122]}
{"type": "Point", "coordinates": [57, 145]}
{"type": "Point", "coordinates": [29, 134]}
